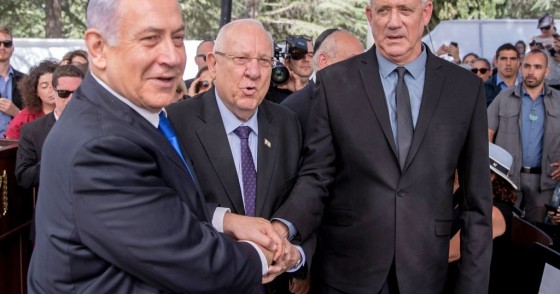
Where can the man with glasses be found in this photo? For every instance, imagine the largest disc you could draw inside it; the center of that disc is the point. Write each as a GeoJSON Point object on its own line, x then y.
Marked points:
{"type": "Point", "coordinates": [65, 80]}
{"type": "Point", "coordinates": [245, 149]}
{"type": "Point", "coordinates": [507, 62]}
{"type": "Point", "coordinates": [203, 48]}
{"type": "Point", "coordinates": [10, 97]}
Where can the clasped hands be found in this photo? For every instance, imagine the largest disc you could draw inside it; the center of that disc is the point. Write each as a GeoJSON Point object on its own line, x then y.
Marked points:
{"type": "Point", "coordinates": [280, 254]}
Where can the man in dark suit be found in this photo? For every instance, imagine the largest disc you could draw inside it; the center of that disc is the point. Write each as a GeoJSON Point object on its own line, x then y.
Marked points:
{"type": "Point", "coordinates": [65, 80]}
{"type": "Point", "coordinates": [10, 97]}
{"type": "Point", "coordinates": [207, 127]}
{"type": "Point", "coordinates": [119, 208]}
{"type": "Point", "coordinates": [332, 46]}
{"type": "Point", "coordinates": [377, 176]}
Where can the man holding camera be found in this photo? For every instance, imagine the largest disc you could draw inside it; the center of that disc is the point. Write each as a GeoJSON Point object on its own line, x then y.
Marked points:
{"type": "Point", "coordinates": [300, 64]}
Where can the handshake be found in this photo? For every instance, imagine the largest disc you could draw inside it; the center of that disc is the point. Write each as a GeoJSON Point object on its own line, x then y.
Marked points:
{"type": "Point", "coordinates": [280, 254]}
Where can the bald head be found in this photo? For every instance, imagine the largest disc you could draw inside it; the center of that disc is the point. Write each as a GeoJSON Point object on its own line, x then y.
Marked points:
{"type": "Point", "coordinates": [338, 46]}
{"type": "Point", "coordinates": [229, 33]}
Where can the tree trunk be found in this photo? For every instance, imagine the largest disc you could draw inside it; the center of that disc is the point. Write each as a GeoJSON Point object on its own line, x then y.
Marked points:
{"type": "Point", "coordinates": [53, 19]}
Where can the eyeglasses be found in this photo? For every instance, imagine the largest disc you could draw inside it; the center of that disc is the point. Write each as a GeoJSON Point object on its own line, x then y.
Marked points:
{"type": "Point", "coordinates": [242, 60]}
{"type": "Point", "coordinates": [7, 43]}
{"type": "Point", "coordinates": [481, 70]}
{"type": "Point", "coordinates": [203, 56]}
{"type": "Point", "coordinates": [545, 28]}
{"type": "Point", "coordinates": [64, 93]}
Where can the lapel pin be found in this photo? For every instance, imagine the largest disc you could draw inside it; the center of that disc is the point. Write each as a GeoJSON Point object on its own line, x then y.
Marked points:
{"type": "Point", "coordinates": [267, 143]}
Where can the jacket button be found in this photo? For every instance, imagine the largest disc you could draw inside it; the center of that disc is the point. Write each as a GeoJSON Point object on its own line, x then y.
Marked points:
{"type": "Point", "coordinates": [400, 193]}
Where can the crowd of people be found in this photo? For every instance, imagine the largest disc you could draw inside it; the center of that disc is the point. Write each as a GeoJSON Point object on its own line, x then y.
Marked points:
{"type": "Point", "coordinates": [366, 172]}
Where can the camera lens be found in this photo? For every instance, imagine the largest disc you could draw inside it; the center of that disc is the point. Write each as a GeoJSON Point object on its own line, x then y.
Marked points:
{"type": "Point", "coordinates": [280, 74]}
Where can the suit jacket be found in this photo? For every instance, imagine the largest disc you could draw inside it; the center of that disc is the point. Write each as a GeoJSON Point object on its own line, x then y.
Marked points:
{"type": "Point", "coordinates": [371, 215]}
{"type": "Point", "coordinates": [491, 89]}
{"type": "Point", "coordinates": [28, 160]}
{"type": "Point", "coordinates": [16, 95]}
{"type": "Point", "coordinates": [118, 211]}
{"type": "Point", "coordinates": [300, 102]}
{"type": "Point", "coordinates": [200, 130]}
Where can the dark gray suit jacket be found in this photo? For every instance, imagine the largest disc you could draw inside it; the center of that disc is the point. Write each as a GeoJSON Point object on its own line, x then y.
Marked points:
{"type": "Point", "coordinates": [369, 213]}
{"type": "Point", "coordinates": [30, 145]}
{"type": "Point", "coordinates": [118, 211]}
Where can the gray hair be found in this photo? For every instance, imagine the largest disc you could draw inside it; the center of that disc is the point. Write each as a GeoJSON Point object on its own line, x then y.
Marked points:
{"type": "Point", "coordinates": [422, 1]}
{"type": "Point", "coordinates": [103, 15]}
{"type": "Point", "coordinates": [328, 46]}
{"type": "Point", "coordinates": [225, 32]}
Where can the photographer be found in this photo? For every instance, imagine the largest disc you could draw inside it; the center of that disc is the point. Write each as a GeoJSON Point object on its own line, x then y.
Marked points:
{"type": "Point", "coordinates": [548, 41]}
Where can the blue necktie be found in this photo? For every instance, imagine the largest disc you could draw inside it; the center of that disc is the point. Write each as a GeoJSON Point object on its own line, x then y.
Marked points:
{"type": "Point", "coordinates": [249, 173]}
{"type": "Point", "coordinates": [167, 130]}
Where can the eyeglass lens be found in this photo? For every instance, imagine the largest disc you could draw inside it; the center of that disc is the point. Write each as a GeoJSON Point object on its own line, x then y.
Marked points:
{"type": "Point", "coordinates": [7, 43]}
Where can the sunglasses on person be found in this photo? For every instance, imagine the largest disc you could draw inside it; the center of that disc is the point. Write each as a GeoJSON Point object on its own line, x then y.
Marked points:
{"type": "Point", "coordinates": [203, 56]}
{"type": "Point", "coordinates": [7, 43]}
{"type": "Point", "coordinates": [545, 28]}
{"type": "Point", "coordinates": [481, 70]}
{"type": "Point", "coordinates": [64, 93]}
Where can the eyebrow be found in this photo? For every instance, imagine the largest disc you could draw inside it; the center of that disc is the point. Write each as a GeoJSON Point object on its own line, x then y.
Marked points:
{"type": "Point", "coordinates": [158, 30]}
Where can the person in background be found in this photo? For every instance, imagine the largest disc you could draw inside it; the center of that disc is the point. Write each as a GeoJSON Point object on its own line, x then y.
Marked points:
{"type": "Point", "coordinates": [507, 62]}
{"type": "Point", "coordinates": [65, 80]}
{"type": "Point", "coordinates": [120, 209]}
{"type": "Point", "coordinates": [38, 97]}
{"type": "Point", "coordinates": [481, 67]}
{"type": "Point", "coordinates": [202, 82]}
{"type": "Point", "coordinates": [523, 121]}
{"type": "Point", "coordinates": [10, 96]}
{"type": "Point", "coordinates": [75, 57]}
{"type": "Point", "coordinates": [469, 59]}
{"type": "Point", "coordinates": [521, 48]}
{"type": "Point", "coordinates": [203, 48]}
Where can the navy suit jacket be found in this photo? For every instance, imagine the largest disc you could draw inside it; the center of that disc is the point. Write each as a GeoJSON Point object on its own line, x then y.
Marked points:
{"type": "Point", "coordinates": [370, 214]}
{"type": "Point", "coordinates": [118, 211]}
{"type": "Point", "coordinates": [30, 145]}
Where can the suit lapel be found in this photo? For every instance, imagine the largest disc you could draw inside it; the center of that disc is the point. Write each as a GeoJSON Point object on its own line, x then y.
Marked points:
{"type": "Point", "coordinates": [433, 83]}
{"type": "Point", "coordinates": [214, 140]}
{"type": "Point", "coordinates": [371, 80]}
{"type": "Point", "coordinates": [266, 156]}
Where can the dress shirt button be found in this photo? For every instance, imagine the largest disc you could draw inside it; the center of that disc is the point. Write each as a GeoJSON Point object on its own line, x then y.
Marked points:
{"type": "Point", "coordinates": [400, 193]}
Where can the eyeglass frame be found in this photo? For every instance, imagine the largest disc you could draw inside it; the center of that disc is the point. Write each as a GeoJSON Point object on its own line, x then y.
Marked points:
{"type": "Point", "coordinates": [243, 60]}
{"type": "Point", "coordinates": [65, 93]}
{"type": "Point", "coordinates": [482, 71]}
{"type": "Point", "coordinates": [545, 28]}
{"type": "Point", "coordinates": [7, 43]}
{"type": "Point", "coordinates": [203, 56]}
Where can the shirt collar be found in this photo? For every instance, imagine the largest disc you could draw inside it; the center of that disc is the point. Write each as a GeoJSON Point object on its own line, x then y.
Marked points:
{"type": "Point", "coordinates": [414, 68]}
{"type": "Point", "coordinates": [151, 117]}
{"type": "Point", "coordinates": [231, 122]}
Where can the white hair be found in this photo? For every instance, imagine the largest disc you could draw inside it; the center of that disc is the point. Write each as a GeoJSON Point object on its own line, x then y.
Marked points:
{"type": "Point", "coordinates": [103, 15]}
{"type": "Point", "coordinates": [224, 33]}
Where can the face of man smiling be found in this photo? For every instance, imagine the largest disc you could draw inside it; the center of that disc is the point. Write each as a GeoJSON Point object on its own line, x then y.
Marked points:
{"type": "Point", "coordinates": [397, 27]}
{"type": "Point", "coordinates": [147, 62]}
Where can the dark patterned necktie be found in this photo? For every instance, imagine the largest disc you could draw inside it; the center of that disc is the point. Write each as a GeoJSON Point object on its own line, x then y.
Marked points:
{"type": "Point", "coordinates": [405, 128]}
{"type": "Point", "coordinates": [167, 130]}
{"type": "Point", "coordinates": [249, 173]}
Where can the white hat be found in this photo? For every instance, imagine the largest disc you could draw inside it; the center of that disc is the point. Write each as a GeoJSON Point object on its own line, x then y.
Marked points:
{"type": "Point", "coordinates": [500, 162]}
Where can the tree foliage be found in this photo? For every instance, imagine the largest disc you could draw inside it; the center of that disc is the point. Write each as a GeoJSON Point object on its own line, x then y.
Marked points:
{"type": "Point", "coordinates": [66, 18]}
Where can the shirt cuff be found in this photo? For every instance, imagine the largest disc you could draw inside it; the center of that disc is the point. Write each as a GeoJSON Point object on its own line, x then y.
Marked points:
{"type": "Point", "coordinates": [291, 228]}
{"type": "Point", "coordinates": [218, 218]}
{"type": "Point", "coordinates": [300, 263]}
{"type": "Point", "coordinates": [264, 263]}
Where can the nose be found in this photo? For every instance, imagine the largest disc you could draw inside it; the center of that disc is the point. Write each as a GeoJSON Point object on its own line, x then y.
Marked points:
{"type": "Point", "coordinates": [253, 69]}
{"type": "Point", "coordinates": [394, 19]}
{"type": "Point", "coordinates": [171, 54]}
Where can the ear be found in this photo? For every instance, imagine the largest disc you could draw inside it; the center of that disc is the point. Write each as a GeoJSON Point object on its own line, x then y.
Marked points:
{"type": "Point", "coordinates": [428, 9]}
{"type": "Point", "coordinates": [322, 60]}
{"type": "Point", "coordinates": [96, 47]}
{"type": "Point", "coordinates": [211, 63]}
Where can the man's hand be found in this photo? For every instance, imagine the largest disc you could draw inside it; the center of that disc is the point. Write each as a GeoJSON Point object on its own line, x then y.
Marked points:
{"type": "Point", "coordinates": [290, 258]}
{"type": "Point", "coordinates": [8, 107]}
{"type": "Point", "coordinates": [293, 84]}
{"type": "Point", "coordinates": [555, 175]}
{"type": "Point", "coordinates": [253, 229]}
{"type": "Point", "coordinates": [298, 286]}
{"type": "Point", "coordinates": [281, 229]}
{"type": "Point", "coordinates": [555, 216]}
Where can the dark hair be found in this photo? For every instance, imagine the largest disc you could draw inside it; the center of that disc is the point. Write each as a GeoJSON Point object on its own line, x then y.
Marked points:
{"type": "Point", "coordinates": [70, 55]}
{"type": "Point", "coordinates": [6, 30]}
{"type": "Point", "coordinates": [27, 86]}
{"type": "Point", "coordinates": [503, 190]}
{"type": "Point", "coordinates": [200, 71]}
{"type": "Point", "coordinates": [67, 70]}
{"type": "Point", "coordinates": [504, 47]}
{"type": "Point", "coordinates": [470, 54]}
{"type": "Point", "coordinates": [522, 43]}
{"type": "Point", "coordinates": [485, 61]}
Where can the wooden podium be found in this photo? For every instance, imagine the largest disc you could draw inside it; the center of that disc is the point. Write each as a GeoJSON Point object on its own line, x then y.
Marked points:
{"type": "Point", "coordinates": [16, 210]}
